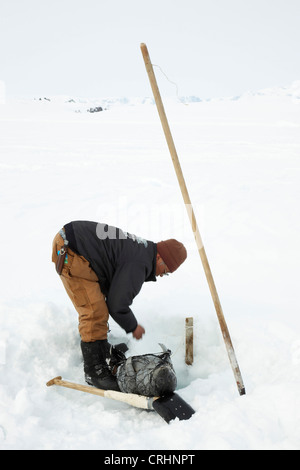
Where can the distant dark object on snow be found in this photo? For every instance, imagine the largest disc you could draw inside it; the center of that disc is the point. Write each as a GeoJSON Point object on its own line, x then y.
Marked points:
{"type": "Point", "coordinates": [97, 109]}
{"type": "Point", "coordinates": [41, 99]}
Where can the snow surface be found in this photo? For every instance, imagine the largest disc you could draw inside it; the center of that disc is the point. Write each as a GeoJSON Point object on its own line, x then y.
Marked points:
{"type": "Point", "coordinates": [240, 157]}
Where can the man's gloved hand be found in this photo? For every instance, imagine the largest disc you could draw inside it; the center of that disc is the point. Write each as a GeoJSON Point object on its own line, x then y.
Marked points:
{"type": "Point", "coordinates": [138, 332]}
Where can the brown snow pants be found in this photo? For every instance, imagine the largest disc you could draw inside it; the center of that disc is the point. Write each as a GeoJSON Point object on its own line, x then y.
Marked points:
{"type": "Point", "coordinates": [83, 288]}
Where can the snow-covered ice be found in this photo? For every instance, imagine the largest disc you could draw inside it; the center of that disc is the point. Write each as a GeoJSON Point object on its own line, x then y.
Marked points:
{"type": "Point", "coordinates": [241, 161]}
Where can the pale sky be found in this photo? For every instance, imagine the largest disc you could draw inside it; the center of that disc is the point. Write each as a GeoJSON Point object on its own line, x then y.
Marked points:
{"type": "Point", "coordinates": [91, 48]}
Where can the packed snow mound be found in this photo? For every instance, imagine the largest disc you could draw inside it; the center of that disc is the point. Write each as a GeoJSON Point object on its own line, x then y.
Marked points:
{"type": "Point", "coordinates": [292, 91]}
{"type": "Point", "coordinates": [240, 159]}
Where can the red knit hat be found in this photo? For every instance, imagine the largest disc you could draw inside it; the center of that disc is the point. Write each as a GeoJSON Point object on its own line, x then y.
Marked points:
{"type": "Point", "coordinates": [172, 252]}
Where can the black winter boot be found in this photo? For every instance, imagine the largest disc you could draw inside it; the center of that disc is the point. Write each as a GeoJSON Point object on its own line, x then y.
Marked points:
{"type": "Point", "coordinates": [96, 369]}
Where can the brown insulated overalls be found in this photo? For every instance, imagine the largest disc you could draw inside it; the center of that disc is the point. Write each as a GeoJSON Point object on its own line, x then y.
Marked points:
{"type": "Point", "coordinates": [82, 286]}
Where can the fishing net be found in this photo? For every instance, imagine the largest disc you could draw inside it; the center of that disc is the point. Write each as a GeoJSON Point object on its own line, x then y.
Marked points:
{"type": "Point", "coordinates": [147, 374]}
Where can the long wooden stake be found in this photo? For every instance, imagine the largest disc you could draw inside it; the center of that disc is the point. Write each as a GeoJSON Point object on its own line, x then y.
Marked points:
{"type": "Point", "coordinates": [189, 341]}
{"type": "Point", "coordinates": [189, 208]}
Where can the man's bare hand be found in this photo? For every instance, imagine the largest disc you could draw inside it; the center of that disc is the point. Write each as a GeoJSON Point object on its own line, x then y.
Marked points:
{"type": "Point", "coordinates": [138, 332]}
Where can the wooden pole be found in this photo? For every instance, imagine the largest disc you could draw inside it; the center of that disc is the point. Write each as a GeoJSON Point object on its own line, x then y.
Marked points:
{"type": "Point", "coordinates": [190, 211]}
{"type": "Point", "coordinates": [139, 401]}
{"type": "Point", "coordinates": [189, 341]}
{"type": "Point", "coordinates": [169, 407]}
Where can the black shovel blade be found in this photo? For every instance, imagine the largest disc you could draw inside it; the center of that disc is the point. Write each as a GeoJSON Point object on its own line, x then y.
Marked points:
{"type": "Point", "coordinates": [172, 406]}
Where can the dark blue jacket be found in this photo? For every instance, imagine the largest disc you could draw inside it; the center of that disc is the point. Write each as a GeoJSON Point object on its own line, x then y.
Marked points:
{"type": "Point", "coordinates": [122, 262]}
